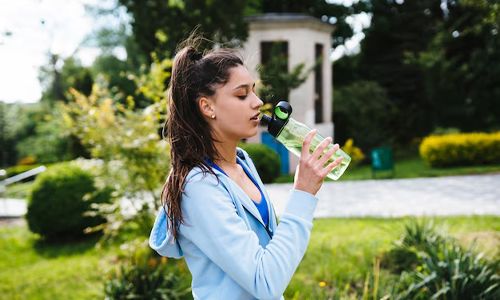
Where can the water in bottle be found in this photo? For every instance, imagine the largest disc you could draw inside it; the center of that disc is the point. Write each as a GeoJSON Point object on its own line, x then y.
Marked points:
{"type": "Point", "coordinates": [292, 133]}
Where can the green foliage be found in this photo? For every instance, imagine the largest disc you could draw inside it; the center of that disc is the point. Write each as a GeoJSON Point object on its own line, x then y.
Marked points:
{"type": "Point", "coordinates": [122, 136]}
{"type": "Point", "coordinates": [37, 131]}
{"type": "Point", "coordinates": [419, 235]}
{"type": "Point", "coordinates": [363, 112]}
{"type": "Point", "coordinates": [56, 81]}
{"type": "Point", "coordinates": [276, 81]}
{"type": "Point", "coordinates": [117, 74]}
{"type": "Point", "coordinates": [460, 66]}
{"type": "Point", "coordinates": [134, 159]}
{"type": "Point", "coordinates": [50, 143]}
{"type": "Point", "coordinates": [5, 136]}
{"type": "Point", "coordinates": [158, 26]}
{"type": "Point", "coordinates": [461, 149]}
{"type": "Point", "coordinates": [266, 160]}
{"type": "Point", "coordinates": [147, 276]}
{"type": "Point", "coordinates": [357, 156]}
{"type": "Point", "coordinates": [59, 200]}
{"type": "Point", "coordinates": [17, 122]}
{"type": "Point", "coordinates": [400, 259]}
{"type": "Point", "coordinates": [405, 255]}
{"type": "Point", "coordinates": [449, 271]}
{"type": "Point", "coordinates": [444, 269]}
{"type": "Point", "coordinates": [398, 28]}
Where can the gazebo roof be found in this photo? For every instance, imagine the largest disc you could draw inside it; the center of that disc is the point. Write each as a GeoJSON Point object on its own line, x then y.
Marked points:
{"type": "Point", "coordinates": [286, 19]}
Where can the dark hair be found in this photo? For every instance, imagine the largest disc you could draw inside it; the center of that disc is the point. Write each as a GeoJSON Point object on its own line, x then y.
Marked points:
{"type": "Point", "coordinates": [190, 136]}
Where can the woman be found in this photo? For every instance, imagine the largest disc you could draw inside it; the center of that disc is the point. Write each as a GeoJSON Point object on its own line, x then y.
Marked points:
{"type": "Point", "coordinates": [217, 213]}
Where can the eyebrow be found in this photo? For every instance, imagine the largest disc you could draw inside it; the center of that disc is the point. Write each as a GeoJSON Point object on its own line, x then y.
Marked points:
{"type": "Point", "coordinates": [243, 86]}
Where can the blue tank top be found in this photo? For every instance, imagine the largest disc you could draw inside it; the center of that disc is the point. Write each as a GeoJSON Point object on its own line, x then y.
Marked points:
{"type": "Point", "coordinates": [262, 205]}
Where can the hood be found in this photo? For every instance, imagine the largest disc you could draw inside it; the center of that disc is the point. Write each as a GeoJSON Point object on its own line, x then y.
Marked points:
{"type": "Point", "coordinates": [161, 240]}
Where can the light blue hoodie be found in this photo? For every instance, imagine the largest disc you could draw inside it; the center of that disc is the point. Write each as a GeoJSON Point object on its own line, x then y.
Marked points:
{"type": "Point", "coordinates": [227, 248]}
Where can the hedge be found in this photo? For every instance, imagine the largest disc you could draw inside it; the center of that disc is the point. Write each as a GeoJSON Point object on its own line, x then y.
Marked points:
{"type": "Point", "coordinates": [266, 161]}
{"type": "Point", "coordinates": [461, 149]}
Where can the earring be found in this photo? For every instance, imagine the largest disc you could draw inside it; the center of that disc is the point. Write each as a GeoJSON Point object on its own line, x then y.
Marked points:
{"type": "Point", "coordinates": [213, 116]}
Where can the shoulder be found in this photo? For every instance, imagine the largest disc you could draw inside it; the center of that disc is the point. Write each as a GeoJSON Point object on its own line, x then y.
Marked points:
{"type": "Point", "coordinates": [199, 181]}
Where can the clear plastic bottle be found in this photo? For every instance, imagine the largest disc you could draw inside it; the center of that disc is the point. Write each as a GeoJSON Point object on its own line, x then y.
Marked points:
{"type": "Point", "coordinates": [292, 133]}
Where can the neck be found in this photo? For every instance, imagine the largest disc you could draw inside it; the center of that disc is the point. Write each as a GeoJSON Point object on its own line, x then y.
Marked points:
{"type": "Point", "coordinates": [227, 151]}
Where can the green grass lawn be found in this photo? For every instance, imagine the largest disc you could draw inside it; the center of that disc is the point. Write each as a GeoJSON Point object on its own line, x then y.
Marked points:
{"type": "Point", "coordinates": [32, 270]}
{"type": "Point", "coordinates": [341, 253]}
{"type": "Point", "coordinates": [342, 250]}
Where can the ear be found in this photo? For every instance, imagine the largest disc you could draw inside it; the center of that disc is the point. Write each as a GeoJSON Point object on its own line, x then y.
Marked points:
{"type": "Point", "coordinates": [206, 106]}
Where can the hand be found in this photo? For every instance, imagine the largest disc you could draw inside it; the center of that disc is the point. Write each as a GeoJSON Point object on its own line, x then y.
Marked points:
{"type": "Point", "coordinates": [311, 171]}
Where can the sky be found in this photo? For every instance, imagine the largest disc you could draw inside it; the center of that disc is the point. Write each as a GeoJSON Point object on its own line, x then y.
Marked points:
{"type": "Point", "coordinates": [60, 26]}
{"type": "Point", "coordinates": [37, 27]}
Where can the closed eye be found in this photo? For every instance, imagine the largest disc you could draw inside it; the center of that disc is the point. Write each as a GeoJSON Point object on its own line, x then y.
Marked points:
{"type": "Point", "coordinates": [242, 97]}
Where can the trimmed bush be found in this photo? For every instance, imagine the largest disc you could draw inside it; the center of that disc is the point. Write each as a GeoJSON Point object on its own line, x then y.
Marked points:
{"type": "Point", "coordinates": [461, 149]}
{"type": "Point", "coordinates": [266, 160]}
{"type": "Point", "coordinates": [58, 201]}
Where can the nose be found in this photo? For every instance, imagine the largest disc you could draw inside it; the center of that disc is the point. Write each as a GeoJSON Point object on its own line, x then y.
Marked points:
{"type": "Point", "coordinates": [257, 102]}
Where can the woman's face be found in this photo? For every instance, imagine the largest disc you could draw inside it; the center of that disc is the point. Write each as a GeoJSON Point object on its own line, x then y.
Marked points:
{"type": "Point", "coordinates": [236, 107]}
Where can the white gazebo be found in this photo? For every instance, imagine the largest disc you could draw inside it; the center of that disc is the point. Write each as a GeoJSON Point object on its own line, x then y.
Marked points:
{"type": "Point", "coordinates": [306, 40]}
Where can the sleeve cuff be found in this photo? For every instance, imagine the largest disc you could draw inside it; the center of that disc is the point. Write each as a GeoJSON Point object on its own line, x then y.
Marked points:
{"type": "Point", "coordinates": [301, 204]}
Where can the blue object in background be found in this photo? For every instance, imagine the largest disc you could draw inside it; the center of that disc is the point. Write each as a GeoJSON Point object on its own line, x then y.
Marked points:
{"type": "Point", "coordinates": [269, 140]}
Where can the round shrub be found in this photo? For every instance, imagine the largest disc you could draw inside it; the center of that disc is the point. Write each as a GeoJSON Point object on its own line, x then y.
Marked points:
{"type": "Point", "coordinates": [266, 160]}
{"type": "Point", "coordinates": [58, 201]}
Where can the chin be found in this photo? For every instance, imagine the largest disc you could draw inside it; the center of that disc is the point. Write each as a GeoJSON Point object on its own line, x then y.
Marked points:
{"type": "Point", "coordinates": [250, 134]}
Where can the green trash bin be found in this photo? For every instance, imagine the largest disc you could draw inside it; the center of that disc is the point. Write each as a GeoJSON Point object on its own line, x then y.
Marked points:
{"type": "Point", "coordinates": [382, 161]}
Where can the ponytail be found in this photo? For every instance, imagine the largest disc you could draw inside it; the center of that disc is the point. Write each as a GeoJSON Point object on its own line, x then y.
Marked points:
{"type": "Point", "coordinates": [189, 134]}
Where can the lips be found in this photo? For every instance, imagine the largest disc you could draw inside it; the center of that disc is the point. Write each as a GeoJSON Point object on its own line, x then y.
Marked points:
{"type": "Point", "coordinates": [256, 117]}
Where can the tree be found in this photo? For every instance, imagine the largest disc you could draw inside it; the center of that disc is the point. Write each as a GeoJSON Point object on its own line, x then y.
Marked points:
{"type": "Point", "coordinates": [56, 80]}
{"type": "Point", "coordinates": [158, 26]}
{"type": "Point", "coordinates": [364, 113]}
{"type": "Point", "coordinates": [117, 70]}
{"type": "Point", "coordinates": [462, 67]}
{"type": "Point", "coordinates": [6, 140]}
{"type": "Point", "coordinates": [397, 29]}
{"type": "Point", "coordinates": [276, 81]}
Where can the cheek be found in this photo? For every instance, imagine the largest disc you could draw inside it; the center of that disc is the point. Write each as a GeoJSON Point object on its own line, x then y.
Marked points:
{"type": "Point", "coordinates": [232, 113]}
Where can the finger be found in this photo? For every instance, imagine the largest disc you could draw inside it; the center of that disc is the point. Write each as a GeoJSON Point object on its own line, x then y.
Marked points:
{"type": "Point", "coordinates": [321, 147]}
{"type": "Point", "coordinates": [328, 154]}
{"type": "Point", "coordinates": [306, 144]}
{"type": "Point", "coordinates": [333, 164]}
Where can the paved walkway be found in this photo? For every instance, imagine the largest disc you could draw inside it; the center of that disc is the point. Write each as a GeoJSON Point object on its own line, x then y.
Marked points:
{"type": "Point", "coordinates": [444, 196]}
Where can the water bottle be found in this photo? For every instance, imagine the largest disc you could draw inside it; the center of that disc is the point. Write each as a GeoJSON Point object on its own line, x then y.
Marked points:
{"type": "Point", "coordinates": [291, 134]}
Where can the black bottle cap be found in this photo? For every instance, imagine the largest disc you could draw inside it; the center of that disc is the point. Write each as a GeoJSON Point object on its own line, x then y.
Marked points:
{"type": "Point", "coordinates": [278, 120]}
